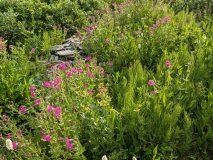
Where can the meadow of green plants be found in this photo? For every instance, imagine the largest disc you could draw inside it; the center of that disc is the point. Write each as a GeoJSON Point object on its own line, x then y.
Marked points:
{"type": "Point", "coordinates": [145, 91]}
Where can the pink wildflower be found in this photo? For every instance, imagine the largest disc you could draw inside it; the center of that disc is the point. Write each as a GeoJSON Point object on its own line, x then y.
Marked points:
{"type": "Point", "coordinates": [15, 145]}
{"type": "Point", "coordinates": [46, 84]}
{"type": "Point", "coordinates": [46, 138]}
{"type": "Point", "coordinates": [32, 88]}
{"type": "Point", "coordinates": [1, 38]}
{"type": "Point", "coordinates": [42, 131]}
{"type": "Point", "coordinates": [33, 50]}
{"type": "Point", "coordinates": [62, 66]}
{"type": "Point", "coordinates": [107, 40]}
{"type": "Point", "coordinates": [37, 101]}
{"type": "Point", "coordinates": [61, 139]}
{"type": "Point", "coordinates": [67, 64]}
{"type": "Point", "coordinates": [110, 63]}
{"type": "Point", "coordinates": [33, 94]}
{"type": "Point", "coordinates": [168, 64]}
{"type": "Point", "coordinates": [22, 109]}
{"type": "Point", "coordinates": [74, 70]}
{"type": "Point", "coordinates": [1, 136]}
{"type": "Point", "coordinates": [8, 136]}
{"type": "Point", "coordinates": [80, 70]}
{"type": "Point", "coordinates": [68, 73]}
{"type": "Point", "coordinates": [84, 86]}
{"type": "Point", "coordinates": [89, 58]}
{"type": "Point", "coordinates": [151, 82]}
{"type": "Point", "coordinates": [88, 72]}
{"type": "Point", "coordinates": [70, 147]}
{"type": "Point", "coordinates": [90, 91]}
{"type": "Point", "coordinates": [101, 70]}
{"type": "Point", "coordinates": [92, 76]}
{"type": "Point", "coordinates": [50, 109]}
{"type": "Point", "coordinates": [87, 65]}
{"type": "Point", "coordinates": [58, 110]}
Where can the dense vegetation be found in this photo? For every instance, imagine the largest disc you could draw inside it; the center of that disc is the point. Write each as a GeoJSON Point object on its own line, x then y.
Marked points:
{"type": "Point", "coordinates": [145, 90]}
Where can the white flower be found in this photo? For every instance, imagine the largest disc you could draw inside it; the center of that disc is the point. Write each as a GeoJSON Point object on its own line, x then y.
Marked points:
{"type": "Point", "coordinates": [139, 46]}
{"type": "Point", "coordinates": [134, 158]}
{"type": "Point", "coordinates": [9, 144]}
{"type": "Point", "coordinates": [128, 15]}
{"type": "Point", "coordinates": [104, 157]}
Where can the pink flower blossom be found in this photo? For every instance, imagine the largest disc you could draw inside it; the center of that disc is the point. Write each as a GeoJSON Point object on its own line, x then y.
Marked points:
{"type": "Point", "coordinates": [69, 147]}
{"type": "Point", "coordinates": [46, 138]}
{"type": "Point", "coordinates": [101, 70]}
{"type": "Point", "coordinates": [168, 64]}
{"type": "Point", "coordinates": [67, 64]}
{"type": "Point", "coordinates": [92, 76]}
{"type": "Point", "coordinates": [33, 50]}
{"type": "Point", "coordinates": [8, 136]}
{"type": "Point", "coordinates": [33, 94]}
{"type": "Point", "coordinates": [151, 82]}
{"type": "Point", "coordinates": [1, 136]}
{"type": "Point", "coordinates": [88, 72]}
{"type": "Point", "coordinates": [32, 88]}
{"type": "Point", "coordinates": [107, 40]}
{"type": "Point", "coordinates": [50, 109]}
{"type": "Point", "coordinates": [46, 84]}
{"type": "Point", "coordinates": [37, 101]}
{"type": "Point", "coordinates": [87, 65]}
{"type": "Point", "coordinates": [68, 73]}
{"type": "Point", "coordinates": [42, 131]}
{"type": "Point", "coordinates": [74, 70]}
{"type": "Point", "coordinates": [84, 86]}
{"type": "Point", "coordinates": [89, 58]}
{"type": "Point", "coordinates": [1, 38]}
{"type": "Point", "coordinates": [90, 91]}
{"type": "Point", "coordinates": [62, 66]}
{"type": "Point", "coordinates": [15, 145]}
{"type": "Point", "coordinates": [61, 139]}
{"type": "Point", "coordinates": [22, 109]}
{"type": "Point", "coordinates": [110, 63]}
{"type": "Point", "coordinates": [80, 70]}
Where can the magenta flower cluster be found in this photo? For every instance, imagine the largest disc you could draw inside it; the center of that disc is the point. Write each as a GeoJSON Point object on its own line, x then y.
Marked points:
{"type": "Point", "coordinates": [159, 22]}
{"type": "Point", "coordinates": [57, 111]}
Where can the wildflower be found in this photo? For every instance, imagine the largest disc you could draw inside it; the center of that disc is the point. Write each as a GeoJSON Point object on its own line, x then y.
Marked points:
{"type": "Point", "coordinates": [104, 157]}
{"type": "Point", "coordinates": [19, 132]}
{"type": "Point", "coordinates": [9, 144]}
{"type": "Point", "coordinates": [62, 66]}
{"type": "Point", "coordinates": [74, 70]}
{"type": "Point", "coordinates": [1, 136]}
{"type": "Point", "coordinates": [139, 46]}
{"type": "Point", "coordinates": [61, 139]}
{"type": "Point", "coordinates": [46, 84]}
{"type": "Point", "coordinates": [57, 113]}
{"type": "Point", "coordinates": [70, 147]}
{"type": "Point", "coordinates": [101, 70]}
{"type": "Point", "coordinates": [151, 82]}
{"type": "Point", "coordinates": [1, 38]}
{"type": "Point", "coordinates": [78, 32]}
{"type": "Point", "coordinates": [68, 144]}
{"type": "Point", "coordinates": [42, 131]}
{"type": "Point", "coordinates": [50, 109]}
{"type": "Point", "coordinates": [15, 145]}
{"type": "Point", "coordinates": [92, 76]}
{"type": "Point", "coordinates": [31, 88]}
{"type": "Point", "coordinates": [89, 58]}
{"type": "Point", "coordinates": [37, 102]}
{"type": "Point", "coordinates": [168, 64]}
{"type": "Point", "coordinates": [22, 109]}
{"type": "Point", "coordinates": [110, 63]}
{"type": "Point", "coordinates": [80, 70]}
{"type": "Point", "coordinates": [152, 92]}
{"type": "Point", "coordinates": [107, 40]}
{"type": "Point", "coordinates": [46, 138]}
{"type": "Point", "coordinates": [67, 64]}
{"type": "Point", "coordinates": [171, 1]}
{"type": "Point", "coordinates": [88, 72]}
{"type": "Point", "coordinates": [33, 94]}
{"type": "Point", "coordinates": [68, 73]}
{"type": "Point", "coordinates": [8, 136]}
{"type": "Point", "coordinates": [73, 27]}
{"type": "Point", "coordinates": [87, 65]}
{"type": "Point", "coordinates": [84, 86]}
{"type": "Point", "coordinates": [33, 50]}
{"type": "Point", "coordinates": [90, 91]}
